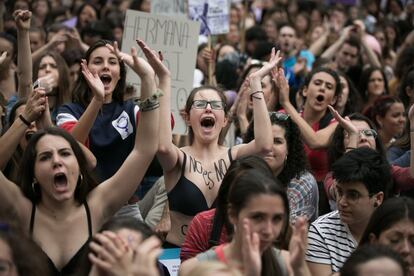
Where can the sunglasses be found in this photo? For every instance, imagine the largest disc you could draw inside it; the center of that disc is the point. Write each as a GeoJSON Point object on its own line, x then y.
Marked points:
{"type": "Point", "coordinates": [278, 116]}
{"type": "Point", "coordinates": [202, 104]}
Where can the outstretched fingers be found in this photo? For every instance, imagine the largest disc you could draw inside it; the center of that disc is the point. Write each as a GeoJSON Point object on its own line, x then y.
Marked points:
{"type": "Point", "coordinates": [154, 59]}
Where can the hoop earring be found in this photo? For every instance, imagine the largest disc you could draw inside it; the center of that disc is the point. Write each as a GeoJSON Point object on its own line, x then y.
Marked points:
{"type": "Point", "coordinates": [80, 180]}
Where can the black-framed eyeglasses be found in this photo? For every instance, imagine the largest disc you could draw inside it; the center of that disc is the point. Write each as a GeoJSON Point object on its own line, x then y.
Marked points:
{"type": "Point", "coordinates": [278, 116]}
{"type": "Point", "coordinates": [202, 104]}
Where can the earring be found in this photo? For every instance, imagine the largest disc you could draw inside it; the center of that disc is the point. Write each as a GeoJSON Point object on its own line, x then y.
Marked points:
{"type": "Point", "coordinates": [284, 164]}
{"type": "Point", "coordinates": [34, 185]}
{"type": "Point", "coordinates": [80, 180]}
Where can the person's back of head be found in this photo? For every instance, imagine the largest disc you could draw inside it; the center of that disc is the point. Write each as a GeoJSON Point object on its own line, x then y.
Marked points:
{"type": "Point", "coordinates": [373, 260]}
{"type": "Point", "coordinates": [366, 166]}
{"type": "Point", "coordinates": [19, 254]}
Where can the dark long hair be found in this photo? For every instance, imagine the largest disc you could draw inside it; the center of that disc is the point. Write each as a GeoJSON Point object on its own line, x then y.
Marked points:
{"type": "Point", "coordinates": [406, 82]}
{"type": "Point", "coordinates": [232, 175]}
{"type": "Point", "coordinates": [63, 90]}
{"type": "Point", "coordinates": [82, 94]}
{"type": "Point", "coordinates": [354, 102]}
{"type": "Point", "coordinates": [380, 108]}
{"type": "Point", "coordinates": [337, 148]}
{"type": "Point", "coordinates": [388, 214]}
{"type": "Point", "coordinates": [11, 169]}
{"type": "Point", "coordinates": [252, 183]}
{"type": "Point", "coordinates": [364, 81]}
{"type": "Point", "coordinates": [296, 162]}
{"type": "Point", "coordinates": [85, 183]}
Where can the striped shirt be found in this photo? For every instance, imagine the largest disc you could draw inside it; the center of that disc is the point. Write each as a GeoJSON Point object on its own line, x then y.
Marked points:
{"type": "Point", "coordinates": [330, 241]}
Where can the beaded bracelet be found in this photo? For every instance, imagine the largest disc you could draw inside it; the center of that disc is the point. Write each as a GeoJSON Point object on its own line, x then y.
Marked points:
{"type": "Point", "coordinates": [255, 97]}
{"type": "Point", "coordinates": [24, 120]}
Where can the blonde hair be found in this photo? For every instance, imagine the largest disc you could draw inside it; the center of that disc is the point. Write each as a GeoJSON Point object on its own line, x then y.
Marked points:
{"type": "Point", "coordinates": [212, 268]}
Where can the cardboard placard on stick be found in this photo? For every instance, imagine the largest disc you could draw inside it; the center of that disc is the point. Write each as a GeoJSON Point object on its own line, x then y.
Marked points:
{"type": "Point", "coordinates": [213, 15]}
{"type": "Point", "coordinates": [176, 38]}
{"type": "Point", "coordinates": [168, 7]}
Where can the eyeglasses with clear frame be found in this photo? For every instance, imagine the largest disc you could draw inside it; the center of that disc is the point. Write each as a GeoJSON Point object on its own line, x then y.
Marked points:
{"type": "Point", "coordinates": [352, 197]}
{"type": "Point", "coordinates": [369, 132]}
{"type": "Point", "coordinates": [202, 104]}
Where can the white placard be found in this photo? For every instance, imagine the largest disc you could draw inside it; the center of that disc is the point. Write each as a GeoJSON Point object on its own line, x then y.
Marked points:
{"type": "Point", "coordinates": [213, 15]}
{"type": "Point", "coordinates": [168, 7]}
{"type": "Point", "coordinates": [177, 39]}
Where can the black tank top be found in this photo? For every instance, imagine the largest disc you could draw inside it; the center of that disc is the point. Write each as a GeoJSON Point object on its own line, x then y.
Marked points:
{"type": "Point", "coordinates": [77, 262]}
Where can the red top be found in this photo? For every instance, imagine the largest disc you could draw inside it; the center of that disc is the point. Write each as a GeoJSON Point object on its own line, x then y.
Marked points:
{"type": "Point", "coordinates": [198, 235]}
{"type": "Point", "coordinates": [318, 158]}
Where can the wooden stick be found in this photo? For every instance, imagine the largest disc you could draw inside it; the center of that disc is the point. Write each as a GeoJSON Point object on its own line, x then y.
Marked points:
{"type": "Point", "coordinates": [210, 63]}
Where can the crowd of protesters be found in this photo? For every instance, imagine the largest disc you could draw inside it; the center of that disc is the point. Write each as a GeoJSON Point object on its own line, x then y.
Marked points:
{"type": "Point", "coordinates": [296, 160]}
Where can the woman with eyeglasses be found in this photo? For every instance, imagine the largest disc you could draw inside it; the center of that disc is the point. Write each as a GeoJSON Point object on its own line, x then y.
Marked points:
{"type": "Point", "coordinates": [193, 174]}
{"type": "Point", "coordinates": [289, 164]}
{"type": "Point", "coordinates": [358, 131]}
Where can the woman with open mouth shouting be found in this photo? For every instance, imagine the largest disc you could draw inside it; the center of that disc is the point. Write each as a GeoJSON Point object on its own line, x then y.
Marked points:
{"type": "Point", "coordinates": [99, 116]}
{"type": "Point", "coordinates": [315, 122]}
{"type": "Point", "coordinates": [193, 174]}
{"type": "Point", "coordinates": [59, 202]}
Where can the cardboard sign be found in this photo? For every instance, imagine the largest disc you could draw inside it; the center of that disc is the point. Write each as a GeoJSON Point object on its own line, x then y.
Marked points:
{"type": "Point", "coordinates": [213, 15]}
{"type": "Point", "coordinates": [176, 38]}
{"type": "Point", "coordinates": [168, 7]}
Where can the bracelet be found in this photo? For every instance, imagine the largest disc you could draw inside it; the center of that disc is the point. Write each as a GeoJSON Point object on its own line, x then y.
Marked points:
{"type": "Point", "coordinates": [255, 97]}
{"type": "Point", "coordinates": [151, 107]}
{"type": "Point", "coordinates": [350, 148]}
{"type": "Point", "coordinates": [150, 102]}
{"type": "Point", "coordinates": [23, 119]}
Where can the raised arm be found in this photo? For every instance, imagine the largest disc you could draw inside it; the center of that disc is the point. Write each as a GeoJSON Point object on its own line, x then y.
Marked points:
{"type": "Point", "coordinates": [314, 139]}
{"type": "Point", "coordinates": [24, 58]}
{"type": "Point", "coordinates": [263, 141]}
{"type": "Point", "coordinates": [50, 45]}
{"type": "Point", "coordinates": [167, 153]}
{"type": "Point", "coordinates": [35, 106]}
{"type": "Point", "coordinates": [361, 34]}
{"type": "Point", "coordinates": [109, 196]}
{"type": "Point", "coordinates": [82, 128]}
{"type": "Point", "coordinates": [333, 49]}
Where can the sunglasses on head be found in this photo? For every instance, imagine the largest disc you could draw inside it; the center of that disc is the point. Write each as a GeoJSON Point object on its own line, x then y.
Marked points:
{"type": "Point", "coordinates": [278, 116]}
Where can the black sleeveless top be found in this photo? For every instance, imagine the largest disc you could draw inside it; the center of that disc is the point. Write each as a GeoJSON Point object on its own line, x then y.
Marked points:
{"type": "Point", "coordinates": [76, 263]}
